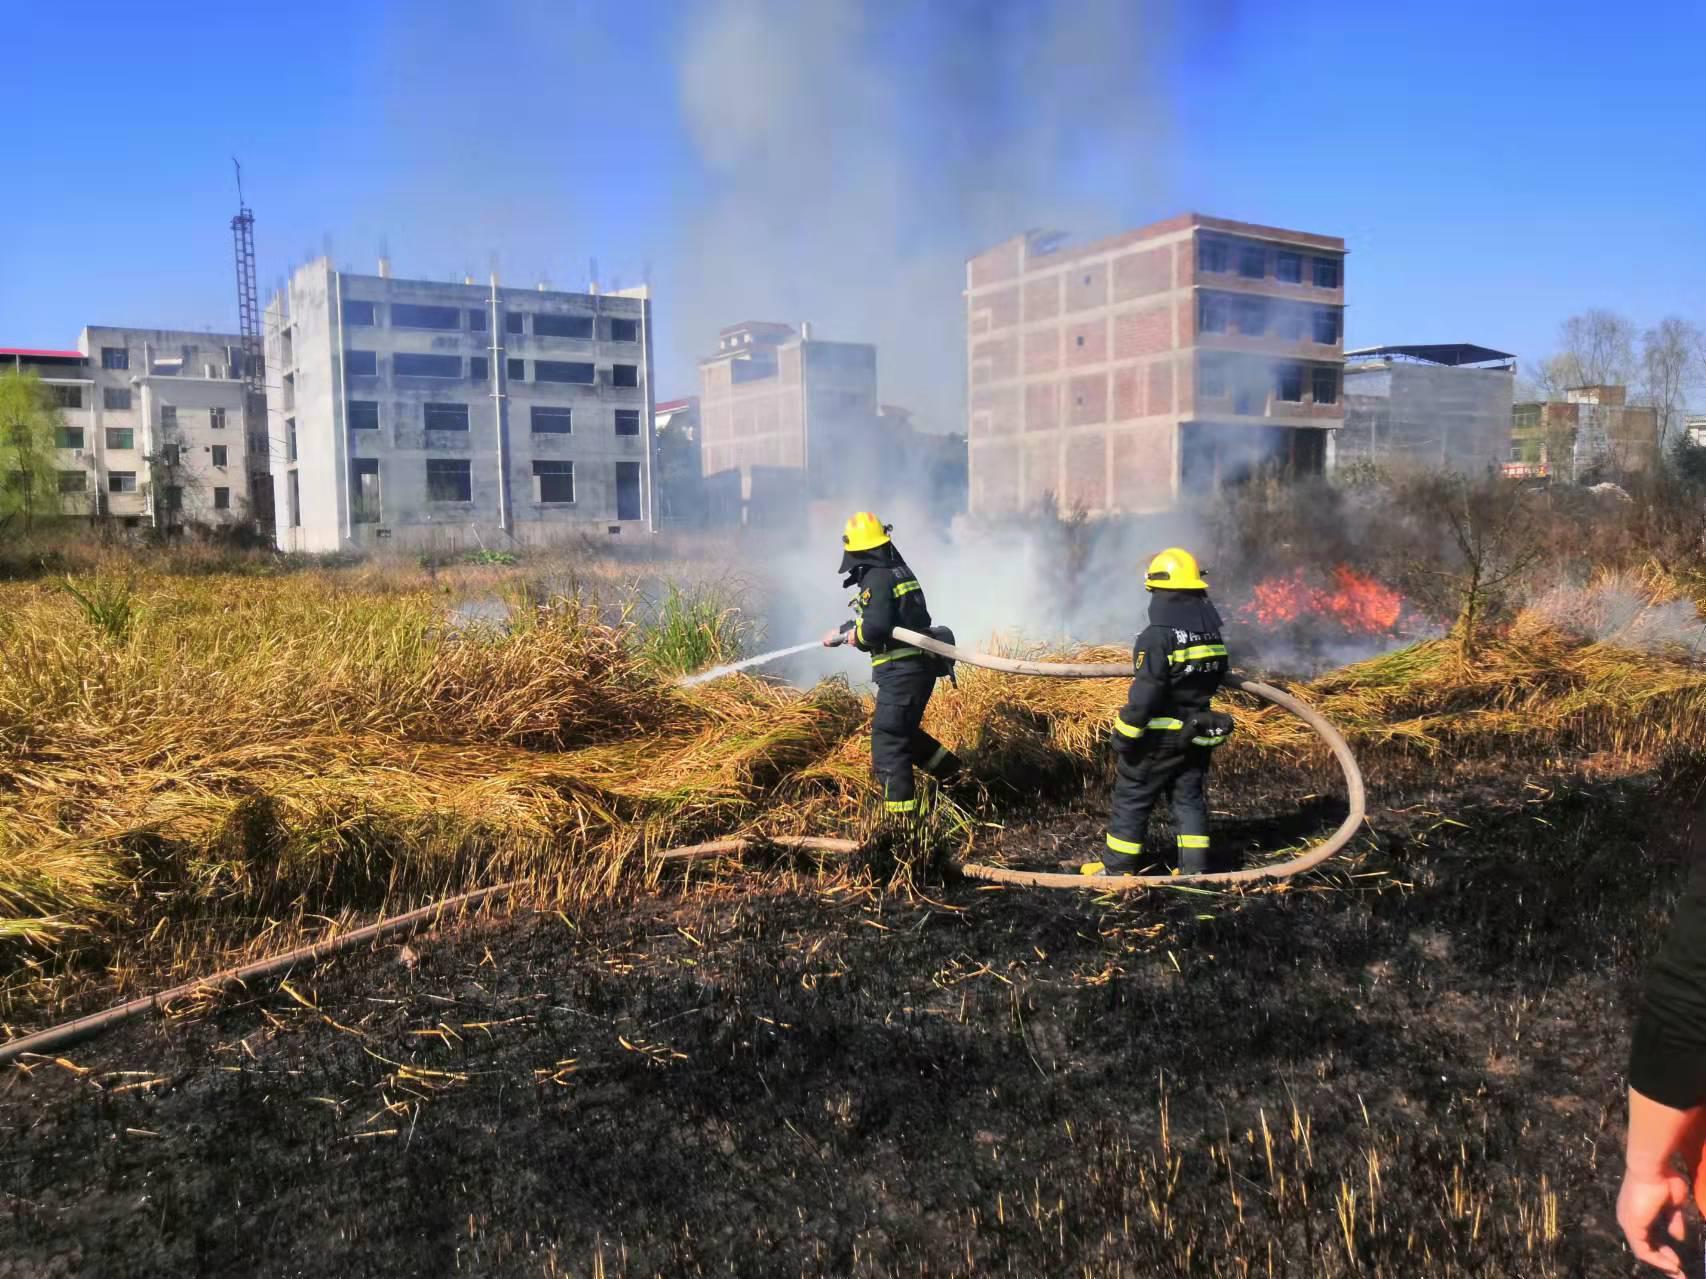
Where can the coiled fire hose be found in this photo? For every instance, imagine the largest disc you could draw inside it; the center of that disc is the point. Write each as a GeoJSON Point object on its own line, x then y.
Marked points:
{"type": "Point", "coordinates": [54, 1037]}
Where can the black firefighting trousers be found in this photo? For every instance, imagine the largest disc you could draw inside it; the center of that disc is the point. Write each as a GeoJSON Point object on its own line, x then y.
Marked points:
{"type": "Point", "coordinates": [898, 739]}
{"type": "Point", "coordinates": [1158, 767]}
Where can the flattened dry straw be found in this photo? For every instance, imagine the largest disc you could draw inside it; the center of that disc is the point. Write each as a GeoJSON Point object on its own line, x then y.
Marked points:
{"type": "Point", "coordinates": [250, 749]}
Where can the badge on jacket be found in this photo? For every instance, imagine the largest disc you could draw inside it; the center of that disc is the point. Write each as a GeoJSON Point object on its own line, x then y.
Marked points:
{"type": "Point", "coordinates": [1138, 664]}
{"type": "Point", "coordinates": [865, 597]}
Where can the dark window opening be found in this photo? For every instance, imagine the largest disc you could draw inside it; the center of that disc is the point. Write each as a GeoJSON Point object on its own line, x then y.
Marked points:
{"type": "Point", "coordinates": [221, 455]}
{"type": "Point", "coordinates": [290, 439]}
{"type": "Point", "coordinates": [364, 490]}
{"type": "Point", "coordinates": [477, 320]}
{"type": "Point", "coordinates": [1079, 339]}
{"type": "Point", "coordinates": [361, 363]}
{"type": "Point", "coordinates": [627, 490]}
{"type": "Point", "coordinates": [115, 357]}
{"type": "Point", "coordinates": [449, 479]}
{"type": "Point", "coordinates": [547, 325]}
{"type": "Point", "coordinates": [216, 418]}
{"type": "Point", "coordinates": [1252, 316]}
{"type": "Point", "coordinates": [446, 417]}
{"type": "Point", "coordinates": [514, 322]}
{"type": "Point", "coordinates": [221, 499]}
{"type": "Point", "coordinates": [1215, 457]}
{"type": "Point", "coordinates": [409, 315]}
{"type": "Point", "coordinates": [551, 421]}
{"type": "Point", "coordinates": [1288, 267]}
{"type": "Point", "coordinates": [121, 437]}
{"type": "Point", "coordinates": [293, 487]}
{"type": "Point", "coordinates": [1288, 322]}
{"type": "Point", "coordinates": [67, 397]}
{"type": "Point", "coordinates": [410, 364]}
{"type": "Point", "coordinates": [479, 369]}
{"type": "Point", "coordinates": [68, 437]}
{"type": "Point", "coordinates": [363, 415]}
{"type": "Point", "coordinates": [1326, 325]}
{"type": "Point", "coordinates": [168, 415]}
{"type": "Point", "coordinates": [1289, 383]}
{"type": "Point", "coordinates": [172, 455]}
{"type": "Point", "coordinates": [516, 370]}
{"type": "Point", "coordinates": [624, 330]}
{"type": "Point", "coordinates": [1324, 383]}
{"type": "Point", "coordinates": [362, 313]}
{"type": "Point", "coordinates": [172, 497]}
{"type": "Point", "coordinates": [1211, 382]}
{"type": "Point", "coordinates": [627, 421]}
{"type": "Point", "coordinates": [562, 371]}
{"type": "Point", "coordinates": [121, 481]}
{"type": "Point", "coordinates": [116, 398]}
{"type": "Point", "coordinates": [73, 482]}
{"type": "Point", "coordinates": [624, 375]}
{"type": "Point", "coordinates": [1211, 314]}
{"type": "Point", "coordinates": [1211, 255]}
{"type": "Point", "coordinates": [553, 480]}
{"type": "Point", "coordinates": [1326, 273]}
{"type": "Point", "coordinates": [1252, 262]}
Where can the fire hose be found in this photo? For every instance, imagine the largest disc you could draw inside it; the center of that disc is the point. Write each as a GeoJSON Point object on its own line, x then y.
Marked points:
{"type": "Point", "coordinates": [57, 1036]}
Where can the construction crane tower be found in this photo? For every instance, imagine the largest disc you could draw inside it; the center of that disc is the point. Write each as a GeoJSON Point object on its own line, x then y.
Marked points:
{"type": "Point", "coordinates": [251, 361]}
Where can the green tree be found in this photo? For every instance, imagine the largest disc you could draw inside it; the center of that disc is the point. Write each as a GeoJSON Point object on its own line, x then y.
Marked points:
{"type": "Point", "coordinates": [29, 474]}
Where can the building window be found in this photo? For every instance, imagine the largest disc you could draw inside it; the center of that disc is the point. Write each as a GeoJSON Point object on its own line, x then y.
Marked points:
{"type": "Point", "coordinates": [407, 315]}
{"type": "Point", "coordinates": [168, 415]}
{"type": "Point", "coordinates": [121, 437]}
{"type": "Point", "coordinates": [446, 417]}
{"type": "Point", "coordinates": [627, 490]}
{"type": "Point", "coordinates": [478, 368]}
{"type": "Point", "coordinates": [514, 322]}
{"type": "Point", "coordinates": [362, 415]}
{"type": "Point", "coordinates": [1289, 383]}
{"type": "Point", "coordinates": [550, 421]}
{"type": "Point", "coordinates": [477, 320]}
{"type": "Point", "coordinates": [562, 371]}
{"type": "Point", "coordinates": [67, 397]}
{"type": "Point", "coordinates": [1326, 325]}
{"type": "Point", "coordinates": [121, 481]}
{"type": "Point", "coordinates": [1211, 313]}
{"type": "Point", "coordinates": [627, 421]}
{"type": "Point", "coordinates": [293, 487]}
{"type": "Point", "coordinates": [624, 330]}
{"type": "Point", "coordinates": [361, 363]}
{"type": "Point", "coordinates": [624, 375]}
{"type": "Point", "coordinates": [116, 398]}
{"type": "Point", "coordinates": [359, 312]}
{"type": "Point", "coordinates": [1212, 255]}
{"type": "Point", "coordinates": [172, 455]}
{"type": "Point", "coordinates": [1288, 322]}
{"type": "Point", "coordinates": [73, 481]}
{"type": "Point", "coordinates": [1324, 382]}
{"type": "Point", "coordinates": [67, 437]}
{"type": "Point", "coordinates": [1288, 267]}
{"type": "Point", "coordinates": [115, 357]}
{"type": "Point", "coordinates": [364, 490]}
{"type": "Point", "coordinates": [546, 325]}
{"type": "Point", "coordinates": [1252, 261]}
{"type": "Point", "coordinates": [411, 364]}
{"type": "Point", "coordinates": [289, 439]}
{"type": "Point", "coordinates": [172, 497]}
{"type": "Point", "coordinates": [1252, 316]}
{"type": "Point", "coordinates": [1212, 381]}
{"type": "Point", "coordinates": [449, 479]}
{"type": "Point", "coordinates": [516, 370]}
{"type": "Point", "coordinates": [221, 499]}
{"type": "Point", "coordinates": [1326, 273]}
{"type": "Point", "coordinates": [216, 419]}
{"type": "Point", "coordinates": [553, 480]}
{"type": "Point", "coordinates": [220, 453]}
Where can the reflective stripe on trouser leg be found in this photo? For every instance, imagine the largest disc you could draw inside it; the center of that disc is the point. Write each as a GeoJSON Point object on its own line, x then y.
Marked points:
{"type": "Point", "coordinates": [1131, 848]}
{"type": "Point", "coordinates": [895, 729]}
{"type": "Point", "coordinates": [935, 760]}
{"type": "Point", "coordinates": [1193, 841]}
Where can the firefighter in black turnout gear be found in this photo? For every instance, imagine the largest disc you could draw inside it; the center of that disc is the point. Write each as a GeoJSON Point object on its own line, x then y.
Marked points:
{"type": "Point", "coordinates": [1165, 735]}
{"type": "Point", "coordinates": [889, 595]}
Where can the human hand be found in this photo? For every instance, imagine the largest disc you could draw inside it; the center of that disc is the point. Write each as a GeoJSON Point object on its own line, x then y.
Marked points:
{"type": "Point", "coordinates": [1649, 1209]}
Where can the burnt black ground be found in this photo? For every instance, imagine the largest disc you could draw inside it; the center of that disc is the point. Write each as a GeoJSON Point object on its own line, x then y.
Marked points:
{"type": "Point", "coordinates": [767, 1077]}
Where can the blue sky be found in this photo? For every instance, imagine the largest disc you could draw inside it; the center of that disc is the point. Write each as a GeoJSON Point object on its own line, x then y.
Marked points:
{"type": "Point", "coordinates": [1493, 168]}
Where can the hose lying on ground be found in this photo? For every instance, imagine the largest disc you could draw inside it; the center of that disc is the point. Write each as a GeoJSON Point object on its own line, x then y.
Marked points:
{"type": "Point", "coordinates": [58, 1036]}
{"type": "Point", "coordinates": [1310, 857]}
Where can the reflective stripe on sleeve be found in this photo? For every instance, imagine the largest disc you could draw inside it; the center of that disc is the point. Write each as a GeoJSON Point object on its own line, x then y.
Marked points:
{"type": "Point", "coordinates": [1124, 729]}
{"type": "Point", "coordinates": [1207, 741]}
{"type": "Point", "coordinates": [907, 588]}
{"type": "Point", "coordinates": [1166, 723]}
{"type": "Point", "coordinates": [1197, 653]}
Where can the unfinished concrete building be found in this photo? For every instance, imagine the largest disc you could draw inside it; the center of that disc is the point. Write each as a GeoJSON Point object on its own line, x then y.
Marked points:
{"type": "Point", "coordinates": [786, 420]}
{"type": "Point", "coordinates": [457, 415]}
{"type": "Point", "coordinates": [1593, 433]}
{"type": "Point", "coordinates": [154, 426]}
{"type": "Point", "coordinates": [1432, 406]}
{"type": "Point", "coordinates": [1168, 360]}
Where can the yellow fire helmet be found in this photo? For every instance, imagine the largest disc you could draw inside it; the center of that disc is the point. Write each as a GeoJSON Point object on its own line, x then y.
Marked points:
{"type": "Point", "coordinates": [1175, 569]}
{"type": "Point", "coordinates": [865, 532]}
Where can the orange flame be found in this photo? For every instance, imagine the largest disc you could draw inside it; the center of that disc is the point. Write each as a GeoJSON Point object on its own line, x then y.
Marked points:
{"type": "Point", "coordinates": [1358, 604]}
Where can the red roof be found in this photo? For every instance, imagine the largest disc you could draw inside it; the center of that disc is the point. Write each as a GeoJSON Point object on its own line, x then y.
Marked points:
{"type": "Point", "coordinates": [670, 406]}
{"type": "Point", "coordinates": [28, 354]}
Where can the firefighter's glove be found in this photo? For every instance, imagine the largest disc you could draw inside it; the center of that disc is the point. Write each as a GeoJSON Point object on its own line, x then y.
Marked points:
{"type": "Point", "coordinates": [1210, 728]}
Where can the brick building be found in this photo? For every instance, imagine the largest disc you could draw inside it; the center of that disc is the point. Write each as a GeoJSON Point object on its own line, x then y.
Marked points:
{"type": "Point", "coordinates": [1592, 433]}
{"type": "Point", "coordinates": [1166, 360]}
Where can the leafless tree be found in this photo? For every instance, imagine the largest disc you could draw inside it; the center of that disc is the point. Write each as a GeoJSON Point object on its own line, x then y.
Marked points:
{"type": "Point", "coordinates": [1595, 348]}
{"type": "Point", "coordinates": [1672, 355]}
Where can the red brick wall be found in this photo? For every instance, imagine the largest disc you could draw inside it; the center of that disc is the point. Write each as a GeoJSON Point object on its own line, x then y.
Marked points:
{"type": "Point", "coordinates": [1086, 343]}
{"type": "Point", "coordinates": [1000, 263]}
{"type": "Point", "coordinates": [1087, 400]}
{"type": "Point", "coordinates": [1042, 470]}
{"type": "Point", "coordinates": [1042, 298]}
{"type": "Point", "coordinates": [1042, 351]}
{"type": "Point", "coordinates": [1142, 467]}
{"type": "Point", "coordinates": [1042, 406]}
{"type": "Point", "coordinates": [995, 411]}
{"type": "Point", "coordinates": [995, 476]}
{"type": "Point", "coordinates": [1128, 394]}
{"type": "Point", "coordinates": [1160, 387]}
{"type": "Point", "coordinates": [1148, 331]}
{"type": "Point", "coordinates": [1087, 286]}
{"type": "Point", "coordinates": [995, 360]}
{"type": "Point", "coordinates": [1087, 471]}
{"type": "Point", "coordinates": [1140, 274]}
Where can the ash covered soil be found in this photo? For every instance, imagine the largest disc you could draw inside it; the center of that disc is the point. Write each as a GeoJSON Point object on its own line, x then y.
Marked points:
{"type": "Point", "coordinates": [1411, 1065]}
